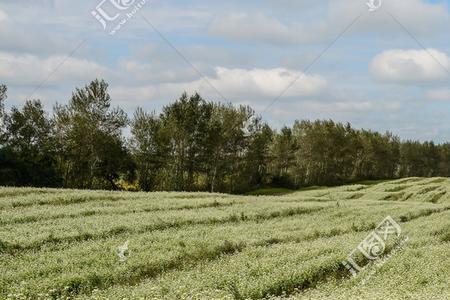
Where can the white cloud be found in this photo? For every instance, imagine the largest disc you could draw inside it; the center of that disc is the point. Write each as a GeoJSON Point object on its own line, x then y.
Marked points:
{"type": "Point", "coordinates": [29, 69]}
{"type": "Point", "coordinates": [131, 97]}
{"type": "Point", "coordinates": [250, 74]}
{"type": "Point", "coordinates": [3, 16]}
{"type": "Point", "coordinates": [239, 83]}
{"type": "Point", "coordinates": [439, 95]}
{"type": "Point", "coordinates": [410, 66]}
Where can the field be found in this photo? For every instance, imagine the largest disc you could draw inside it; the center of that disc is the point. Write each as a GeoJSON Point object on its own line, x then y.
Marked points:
{"type": "Point", "coordinates": [62, 244]}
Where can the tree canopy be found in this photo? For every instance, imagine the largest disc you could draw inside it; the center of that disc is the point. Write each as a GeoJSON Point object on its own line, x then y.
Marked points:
{"type": "Point", "coordinates": [194, 145]}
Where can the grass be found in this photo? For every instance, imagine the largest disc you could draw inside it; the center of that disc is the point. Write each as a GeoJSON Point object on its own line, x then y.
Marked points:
{"type": "Point", "coordinates": [61, 244]}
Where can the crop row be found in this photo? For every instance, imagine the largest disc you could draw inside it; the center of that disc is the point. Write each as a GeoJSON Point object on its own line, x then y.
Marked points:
{"type": "Point", "coordinates": [304, 269]}
{"type": "Point", "coordinates": [70, 265]}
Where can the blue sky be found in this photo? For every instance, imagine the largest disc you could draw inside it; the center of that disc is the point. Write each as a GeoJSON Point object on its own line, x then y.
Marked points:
{"type": "Point", "coordinates": [375, 76]}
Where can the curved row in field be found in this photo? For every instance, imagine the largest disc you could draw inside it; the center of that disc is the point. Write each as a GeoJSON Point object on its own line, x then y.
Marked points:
{"type": "Point", "coordinates": [199, 246]}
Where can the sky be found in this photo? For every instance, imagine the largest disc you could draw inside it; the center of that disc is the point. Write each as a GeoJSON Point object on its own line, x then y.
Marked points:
{"type": "Point", "coordinates": [385, 70]}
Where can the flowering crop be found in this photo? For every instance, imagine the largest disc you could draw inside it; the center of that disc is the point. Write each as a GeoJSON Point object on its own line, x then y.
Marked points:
{"type": "Point", "coordinates": [62, 244]}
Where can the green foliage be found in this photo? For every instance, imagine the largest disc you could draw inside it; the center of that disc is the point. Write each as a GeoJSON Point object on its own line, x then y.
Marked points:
{"type": "Point", "coordinates": [150, 149]}
{"type": "Point", "coordinates": [92, 153]}
{"type": "Point", "coordinates": [195, 145]}
{"type": "Point", "coordinates": [28, 153]}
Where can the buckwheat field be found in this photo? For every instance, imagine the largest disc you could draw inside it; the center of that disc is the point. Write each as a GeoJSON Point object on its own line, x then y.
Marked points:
{"type": "Point", "coordinates": [70, 244]}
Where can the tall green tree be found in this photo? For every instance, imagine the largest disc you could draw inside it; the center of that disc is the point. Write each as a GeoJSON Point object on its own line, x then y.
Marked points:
{"type": "Point", "coordinates": [411, 159]}
{"type": "Point", "coordinates": [322, 151]}
{"type": "Point", "coordinates": [380, 157]}
{"type": "Point", "coordinates": [444, 160]}
{"type": "Point", "coordinates": [195, 145]}
{"type": "Point", "coordinates": [237, 129]}
{"type": "Point", "coordinates": [283, 149]}
{"type": "Point", "coordinates": [89, 135]}
{"type": "Point", "coordinates": [186, 121]}
{"type": "Point", "coordinates": [257, 156]}
{"type": "Point", "coordinates": [225, 144]}
{"type": "Point", "coordinates": [150, 149]}
{"type": "Point", "coordinates": [28, 141]}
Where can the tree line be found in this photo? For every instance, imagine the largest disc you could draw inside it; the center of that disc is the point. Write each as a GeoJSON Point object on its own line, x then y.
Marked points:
{"type": "Point", "coordinates": [194, 145]}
